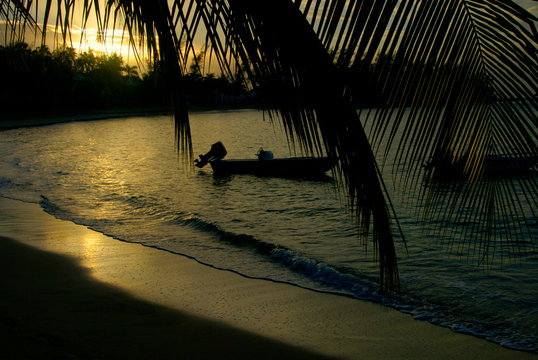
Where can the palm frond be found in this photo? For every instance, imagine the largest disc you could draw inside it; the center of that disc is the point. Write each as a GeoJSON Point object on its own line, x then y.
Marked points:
{"type": "Point", "coordinates": [458, 83]}
{"type": "Point", "coordinates": [18, 17]}
{"type": "Point", "coordinates": [296, 76]}
{"type": "Point", "coordinates": [152, 21]}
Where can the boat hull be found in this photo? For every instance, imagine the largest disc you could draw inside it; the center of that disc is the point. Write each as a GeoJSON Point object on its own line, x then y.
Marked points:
{"type": "Point", "coordinates": [295, 167]}
{"type": "Point", "coordinates": [509, 163]}
{"type": "Point", "coordinates": [501, 165]}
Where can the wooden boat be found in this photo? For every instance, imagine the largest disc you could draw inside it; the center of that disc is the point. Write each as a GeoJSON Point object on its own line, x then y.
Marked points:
{"type": "Point", "coordinates": [264, 164]}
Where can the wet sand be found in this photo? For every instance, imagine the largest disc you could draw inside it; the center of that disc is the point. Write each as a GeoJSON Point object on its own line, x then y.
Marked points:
{"type": "Point", "coordinates": [70, 292]}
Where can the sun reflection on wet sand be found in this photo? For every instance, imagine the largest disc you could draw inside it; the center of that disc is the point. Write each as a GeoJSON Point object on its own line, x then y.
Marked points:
{"type": "Point", "coordinates": [100, 254]}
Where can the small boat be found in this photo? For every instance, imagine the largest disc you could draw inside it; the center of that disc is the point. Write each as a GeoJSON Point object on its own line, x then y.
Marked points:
{"type": "Point", "coordinates": [499, 165]}
{"type": "Point", "coordinates": [509, 163]}
{"type": "Point", "coordinates": [264, 164]}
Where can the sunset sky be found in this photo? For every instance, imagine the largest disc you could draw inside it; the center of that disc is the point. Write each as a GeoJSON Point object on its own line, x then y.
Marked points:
{"type": "Point", "coordinates": [116, 43]}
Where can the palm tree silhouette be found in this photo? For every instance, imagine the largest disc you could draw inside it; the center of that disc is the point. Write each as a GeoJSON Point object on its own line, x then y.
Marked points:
{"type": "Point", "coordinates": [130, 71]}
{"type": "Point", "coordinates": [451, 81]}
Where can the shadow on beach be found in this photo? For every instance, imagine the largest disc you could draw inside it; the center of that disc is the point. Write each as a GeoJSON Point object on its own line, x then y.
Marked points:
{"type": "Point", "coordinates": [52, 308]}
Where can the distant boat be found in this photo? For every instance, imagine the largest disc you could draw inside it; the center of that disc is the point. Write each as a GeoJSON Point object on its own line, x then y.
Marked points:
{"type": "Point", "coordinates": [494, 165]}
{"type": "Point", "coordinates": [509, 163]}
{"type": "Point", "coordinates": [264, 164]}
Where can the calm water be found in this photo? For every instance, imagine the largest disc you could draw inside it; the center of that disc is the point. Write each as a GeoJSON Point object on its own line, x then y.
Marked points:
{"type": "Point", "coordinates": [122, 177]}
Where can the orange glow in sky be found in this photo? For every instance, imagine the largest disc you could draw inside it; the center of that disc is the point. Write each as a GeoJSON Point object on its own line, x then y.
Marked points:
{"type": "Point", "coordinates": [91, 39]}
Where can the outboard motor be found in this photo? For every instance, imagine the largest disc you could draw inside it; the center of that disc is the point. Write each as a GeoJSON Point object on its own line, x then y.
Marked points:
{"type": "Point", "coordinates": [217, 152]}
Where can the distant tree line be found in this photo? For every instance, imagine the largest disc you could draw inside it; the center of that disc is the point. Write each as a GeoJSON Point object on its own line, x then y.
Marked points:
{"type": "Point", "coordinates": [367, 91]}
{"type": "Point", "coordinates": [42, 81]}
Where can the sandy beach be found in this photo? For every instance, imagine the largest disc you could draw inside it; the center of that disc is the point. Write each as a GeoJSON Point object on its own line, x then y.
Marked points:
{"type": "Point", "coordinates": [70, 292]}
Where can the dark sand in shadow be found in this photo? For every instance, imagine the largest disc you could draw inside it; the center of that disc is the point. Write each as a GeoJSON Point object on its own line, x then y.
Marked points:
{"type": "Point", "coordinates": [52, 308]}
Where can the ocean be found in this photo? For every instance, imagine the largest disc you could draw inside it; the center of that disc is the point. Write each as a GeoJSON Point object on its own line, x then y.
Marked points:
{"type": "Point", "coordinates": [124, 178]}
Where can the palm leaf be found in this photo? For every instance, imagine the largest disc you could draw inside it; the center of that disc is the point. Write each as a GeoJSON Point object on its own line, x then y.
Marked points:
{"type": "Point", "coordinates": [458, 79]}
{"type": "Point", "coordinates": [18, 17]}
{"type": "Point", "coordinates": [293, 71]}
{"type": "Point", "coordinates": [152, 22]}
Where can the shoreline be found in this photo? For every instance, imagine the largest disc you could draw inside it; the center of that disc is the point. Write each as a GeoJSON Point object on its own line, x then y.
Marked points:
{"type": "Point", "coordinates": [14, 122]}
{"type": "Point", "coordinates": [30, 120]}
{"type": "Point", "coordinates": [175, 291]}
